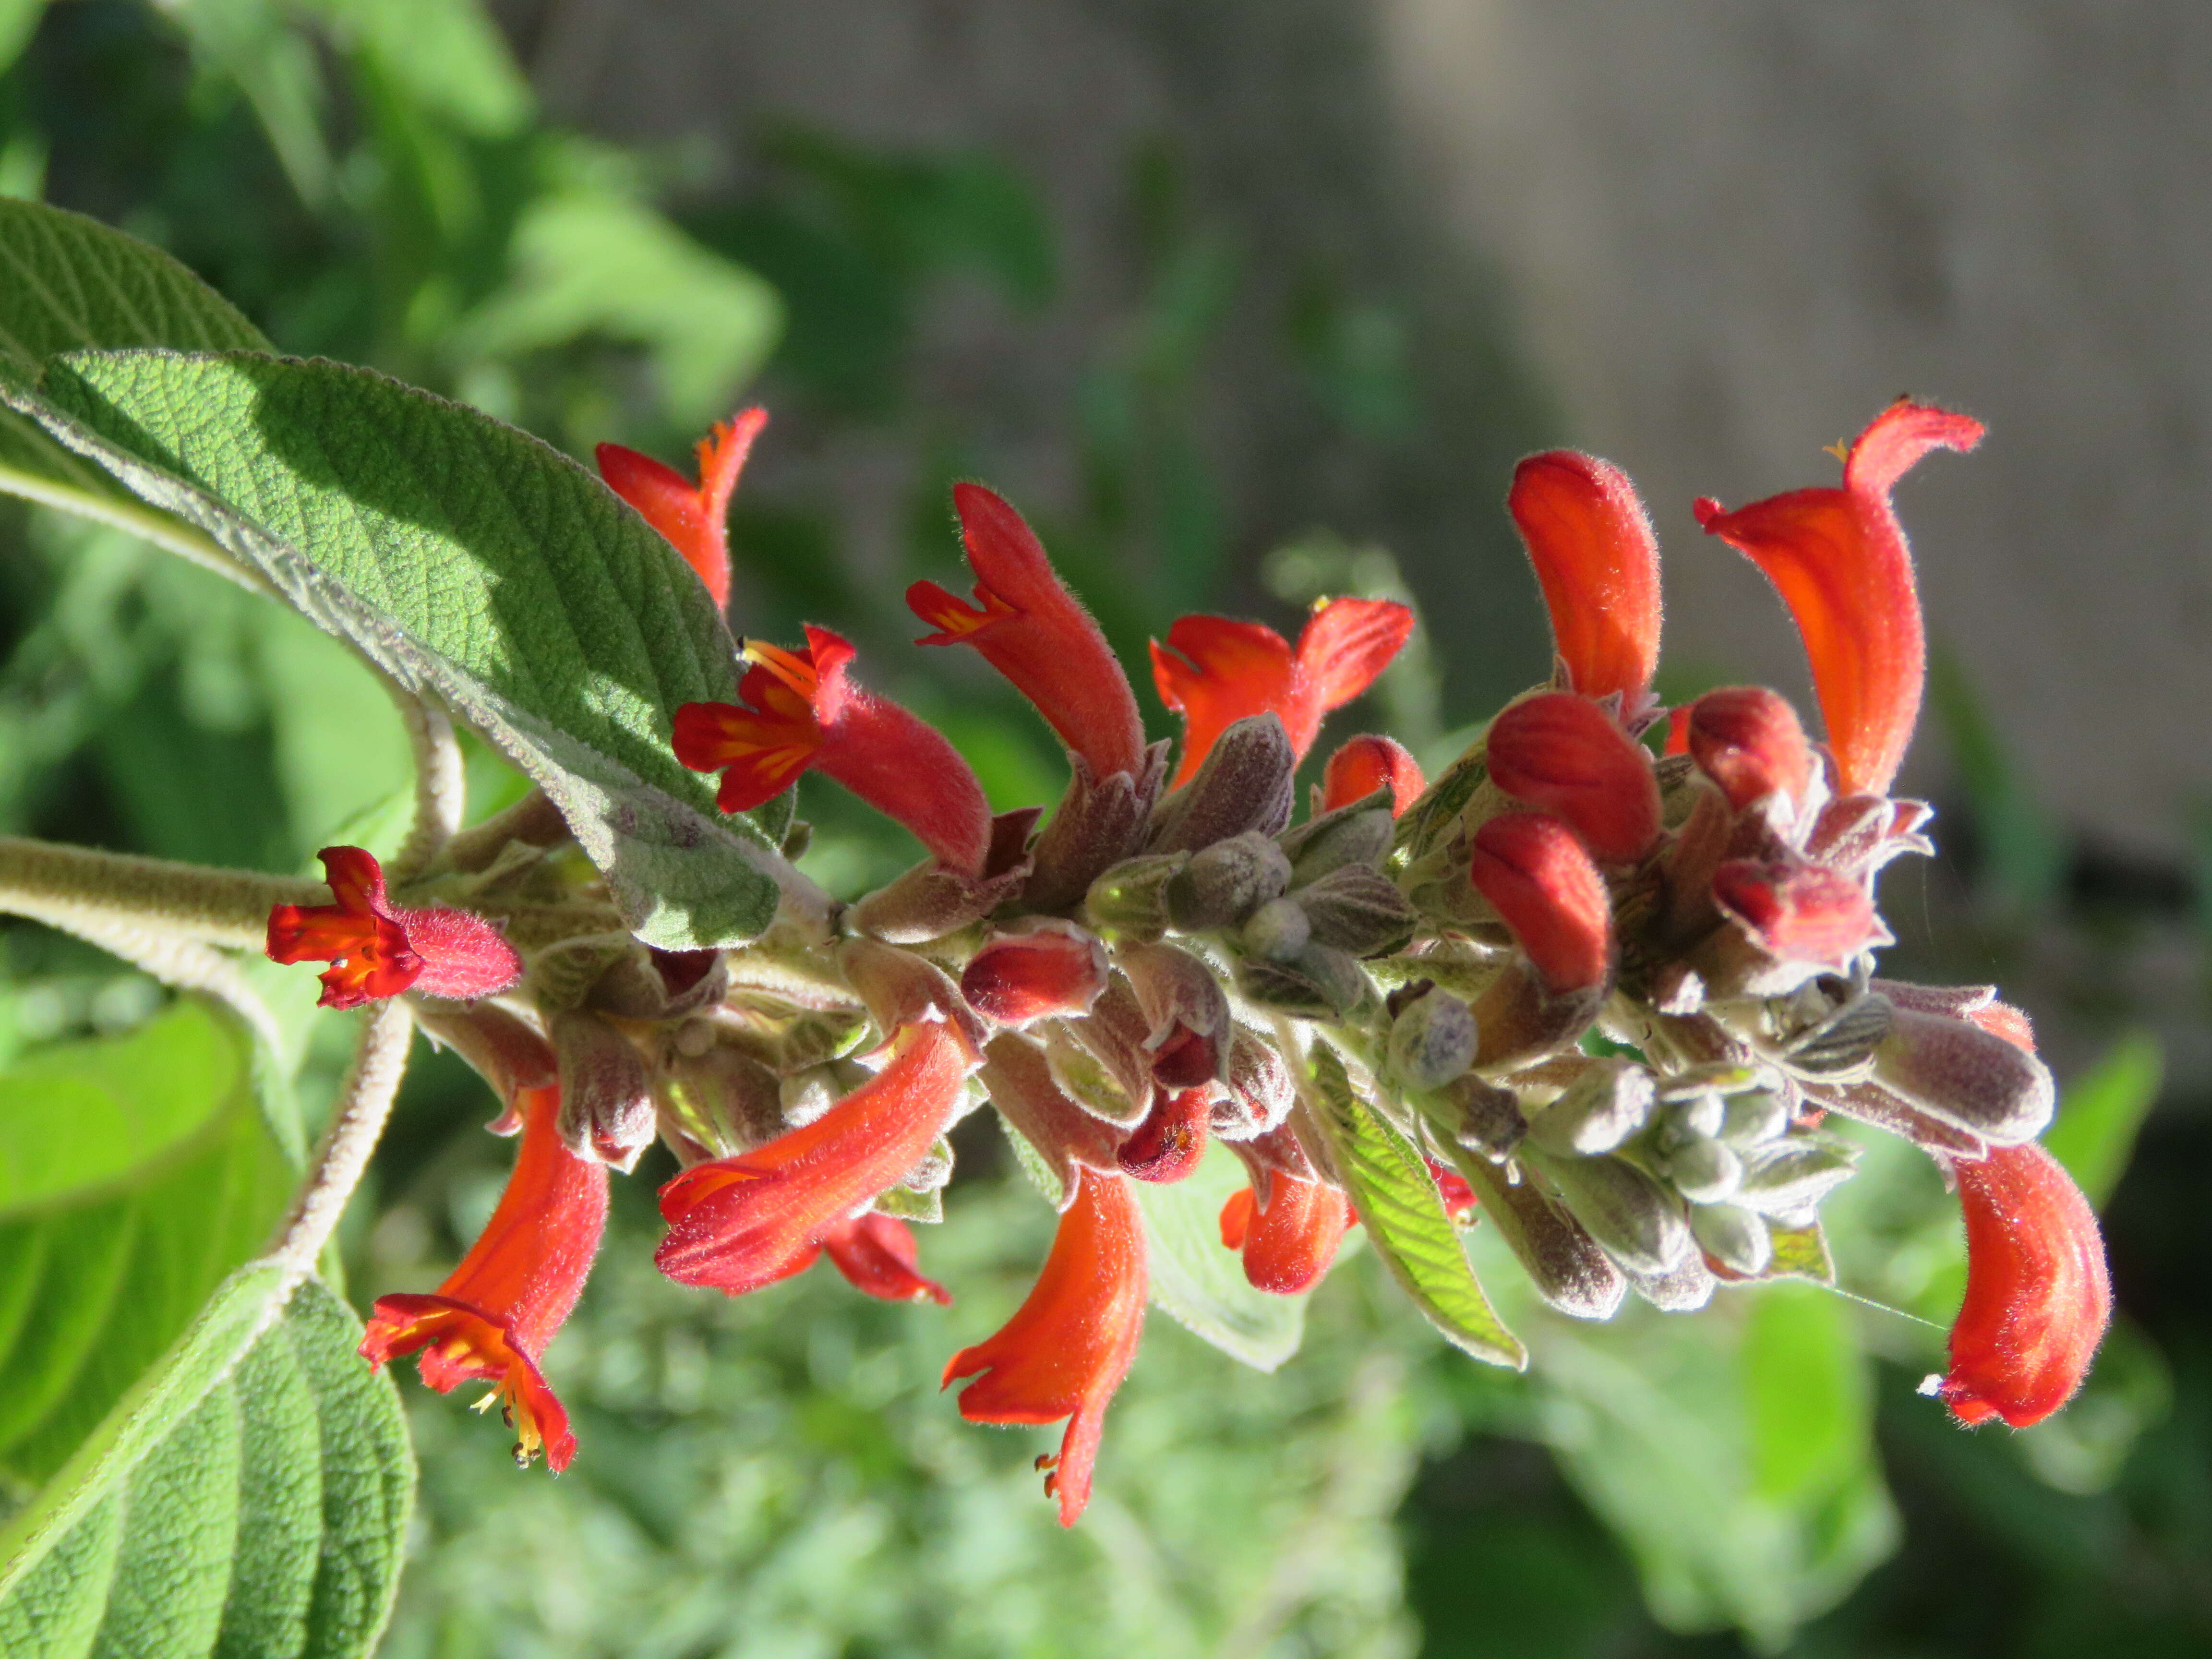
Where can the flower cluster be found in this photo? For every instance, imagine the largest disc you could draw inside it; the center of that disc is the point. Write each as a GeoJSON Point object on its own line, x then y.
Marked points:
{"type": "Point", "coordinates": [1607, 975]}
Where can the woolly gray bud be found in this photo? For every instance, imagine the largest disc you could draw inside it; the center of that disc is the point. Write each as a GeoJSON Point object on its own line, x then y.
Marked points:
{"type": "Point", "coordinates": [1562, 1261]}
{"type": "Point", "coordinates": [1260, 1093]}
{"type": "Point", "coordinates": [1358, 910]}
{"type": "Point", "coordinates": [1683, 1288]}
{"type": "Point", "coordinates": [1276, 931]}
{"type": "Point", "coordinates": [1956, 1072]}
{"type": "Point", "coordinates": [1244, 784]}
{"type": "Point", "coordinates": [1734, 1237]}
{"type": "Point", "coordinates": [1753, 1117]}
{"type": "Point", "coordinates": [1610, 1100]}
{"type": "Point", "coordinates": [1433, 1040]}
{"type": "Point", "coordinates": [1317, 983]}
{"type": "Point", "coordinates": [1637, 1220]}
{"type": "Point", "coordinates": [1704, 1171]}
{"type": "Point", "coordinates": [1224, 882]}
{"type": "Point", "coordinates": [606, 1094]}
{"type": "Point", "coordinates": [1130, 900]}
{"type": "Point", "coordinates": [1357, 833]}
{"type": "Point", "coordinates": [1788, 1178]}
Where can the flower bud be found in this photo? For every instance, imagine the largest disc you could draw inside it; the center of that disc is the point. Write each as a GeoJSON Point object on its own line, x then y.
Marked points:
{"type": "Point", "coordinates": [1609, 1102]}
{"type": "Point", "coordinates": [1955, 1071]}
{"type": "Point", "coordinates": [1042, 967]}
{"type": "Point", "coordinates": [1276, 931]}
{"type": "Point", "coordinates": [1368, 763]}
{"type": "Point", "coordinates": [1787, 1179]}
{"type": "Point", "coordinates": [1261, 1093]}
{"type": "Point", "coordinates": [1100, 823]}
{"type": "Point", "coordinates": [1130, 900]}
{"type": "Point", "coordinates": [1704, 1171]}
{"type": "Point", "coordinates": [1481, 1116]}
{"type": "Point", "coordinates": [1799, 912]}
{"type": "Point", "coordinates": [1432, 1040]}
{"type": "Point", "coordinates": [1357, 833]}
{"type": "Point", "coordinates": [1318, 983]}
{"type": "Point", "coordinates": [1186, 1014]}
{"type": "Point", "coordinates": [1637, 1221]}
{"type": "Point", "coordinates": [1747, 740]}
{"type": "Point", "coordinates": [1358, 910]}
{"type": "Point", "coordinates": [933, 899]}
{"type": "Point", "coordinates": [1224, 882]}
{"type": "Point", "coordinates": [1245, 784]}
{"type": "Point", "coordinates": [1753, 1117]}
{"type": "Point", "coordinates": [1735, 1237]}
{"type": "Point", "coordinates": [606, 1094]}
{"type": "Point", "coordinates": [1565, 754]}
{"type": "Point", "coordinates": [1842, 1044]}
{"type": "Point", "coordinates": [1533, 871]}
{"type": "Point", "coordinates": [1683, 1288]}
{"type": "Point", "coordinates": [1562, 1261]}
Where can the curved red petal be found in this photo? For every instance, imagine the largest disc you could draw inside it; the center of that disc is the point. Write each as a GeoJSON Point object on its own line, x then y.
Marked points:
{"type": "Point", "coordinates": [2038, 1294]}
{"type": "Point", "coordinates": [1289, 1245]}
{"type": "Point", "coordinates": [759, 755]}
{"type": "Point", "coordinates": [1540, 880]}
{"type": "Point", "coordinates": [1561, 751]}
{"type": "Point", "coordinates": [1839, 559]}
{"type": "Point", "coordinates": [1166, 1147]}
{"type": "Point", "coordinates": [1803, 913]}
{"type": "Point", "coordinates": [1597, 561]}
{"type": "Point", "coordinates": [1365, 764]}
{"type": "Point", "coordinates": [876, 1253]}
{"type": "Point", "coordinates": [1747, 740]}
{"type": "Point", "coordinates": [1215, 671]}
{"type": "Point", "coordinates": [1344, 647]}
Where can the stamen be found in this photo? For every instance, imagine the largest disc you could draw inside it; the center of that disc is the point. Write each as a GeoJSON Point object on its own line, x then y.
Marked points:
{"type": "Point", "coordinates": [795, 670]}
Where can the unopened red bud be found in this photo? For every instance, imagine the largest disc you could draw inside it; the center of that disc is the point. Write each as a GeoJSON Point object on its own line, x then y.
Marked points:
{"type": "Point", "coordinates": [1565, 754]}
{"type": "Point", "coordinates": [1168, 1145]}
{"type": "Point", "coordinates": [1536, 875]}
{"type": "Point", "coordinates": [1368, 763]}
{"type": "Point", "coordinates": [1186, 1013]}
{"type": "Point", "coordinates": [1747, 740]}
{"type": "Point", "coordinates": [1050, 967]}
{"type": "Point", "coordinates": [1802, 912]}
{"type": "Point", "coordinates": [1564, 1262]}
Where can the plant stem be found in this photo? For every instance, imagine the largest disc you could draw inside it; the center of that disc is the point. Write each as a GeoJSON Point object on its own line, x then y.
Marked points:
{"type": "Point", "coordinates": [364, 1103]}
{"type": "Point", "coordinates": [441, 788]}
{"type": "Point", "coordinates": [75, 888]}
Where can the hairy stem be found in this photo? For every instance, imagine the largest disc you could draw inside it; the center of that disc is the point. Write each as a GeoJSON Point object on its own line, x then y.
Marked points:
{"type": "Point", "coordinates": [441, 789]}
{"type": "Point", "coordinates": [364, 1103]}
{"type": "Point", "coordinates": [76, 888]}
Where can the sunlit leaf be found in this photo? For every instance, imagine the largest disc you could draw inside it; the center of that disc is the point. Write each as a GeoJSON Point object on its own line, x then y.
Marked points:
{"type": "Point", "coordinates": [251, 1499]}
{"type": "Point", "coordinates": [473, 563]}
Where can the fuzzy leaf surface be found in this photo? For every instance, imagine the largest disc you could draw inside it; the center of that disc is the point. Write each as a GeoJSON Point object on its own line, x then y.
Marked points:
{"type": "Point", "coordinates": [477, 566]}
{"type": "Point", "coordinates": [252, 1498]}
{"type": "Point", "coordinates": [1200, 1284]}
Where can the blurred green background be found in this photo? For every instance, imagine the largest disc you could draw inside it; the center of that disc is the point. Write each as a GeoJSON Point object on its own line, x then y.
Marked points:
{"type": "Point", "coordinates": [374, 180]}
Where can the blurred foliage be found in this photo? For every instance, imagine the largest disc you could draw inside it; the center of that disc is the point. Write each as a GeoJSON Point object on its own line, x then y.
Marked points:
{"type": "Point", "coordinates": [372, 180]}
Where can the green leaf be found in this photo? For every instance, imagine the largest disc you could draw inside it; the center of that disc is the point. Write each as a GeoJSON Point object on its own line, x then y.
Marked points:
{"type": "Point", "coordinates": [1807, 1390]}
{"type": "Point", "coordinates": [1398, 1204]}
{"type": "Point", "coordinates": [2101, 1112]}
{"type": "Point", "coordinates": [68, 283]}
{"type": "Point", "coordinates": [476, 565]}
{"type": "Point", "coordinates": [251, 1498]}
{"type": "Point", "coordinates": [1201, 1284]}
{"type": "Point", "coordinates": [135, 1173]}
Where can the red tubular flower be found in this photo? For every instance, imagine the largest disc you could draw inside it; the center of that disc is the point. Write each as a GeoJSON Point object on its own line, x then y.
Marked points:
{"type": "Point", "coordinates": [1291, 1243]}
{"type": "Point", "coordinates": [1029, 627]}
{"type": "Point", "coordinates": [1561, 751]}
{"type": "Point", "coordinates": [1799, 912]}
{"type": "Point", "coordinates": [1537, 876]}
{"type": "Point", "coordinates": [1598, 564]}
{"type": "Point", "coordinates": [1069, 1345]}
{"type": "Point", "coordinates": [1167, 1145]}
{"type": "Point", "coordinates": [1214, 673]}
{"type": "Point", "coordinates": [1052, 968]}
{"type": "Point", "coordinates": [1747, 740]}
{"type": "Point", "coordinates": [1839, 559]}
{"type": "Point", "coordinates": [695, 518]}
{"type": "Point", "coordinates": [806, 712]}
{"type": "Point", "coordinates": [1366, 764]}
{"type": "Point", "coordinates": [493, 1317]}
{"type": "Point", "coordinates": [739, 1223]}
{"type": "Point", "coordinates": [876, 1253]}
{"type": "Point", "coordinates": [2038, 1295]}
{"type": "Point", "coordinates": [377, 949]}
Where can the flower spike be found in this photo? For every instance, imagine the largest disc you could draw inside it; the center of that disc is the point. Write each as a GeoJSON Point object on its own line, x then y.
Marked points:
{"type": "Point", "coordinates": [377, 949]}
{"type": "Point", "coordinates": [1598, 564]}
{"type": "Point", "coordinates": [695, 518]}
{"type": "Point", "coordinates": [493, 1317]}
{"type": "Point", "coordinates": [1029, 627]}
{"type": "Point", "coordinates": [1366, 764]}
{"type": "Point", "coordinates": [1068, 1347]}
{"type": "Point", "coordinates": [1839, 559]}
{"type": "Point", "coordinates": [1214, 672]}
{"type": "Point", "coordinates": [2038, 1295]}
{"type": "Point", "coordinates": [739, 1223]}
{"type": "Point", "coordinates": [804, 712]}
